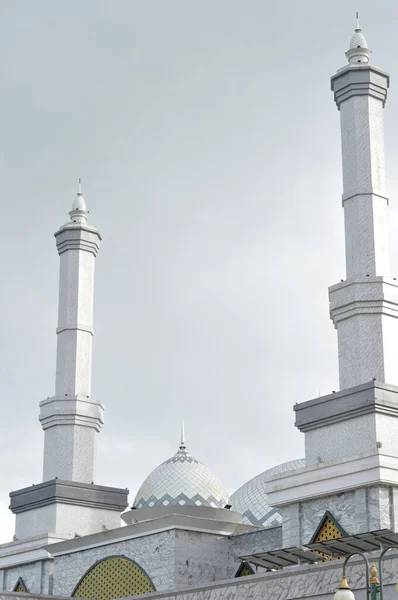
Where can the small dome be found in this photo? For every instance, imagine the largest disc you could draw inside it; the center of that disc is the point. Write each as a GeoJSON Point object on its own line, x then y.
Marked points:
{"type": "Point", "coordinates": [180, 481]}
{"type": "Point", "coordinates": [358, 40]}
{"type": "Point", "coordinates": [79, 203]}
{"type": "Point", "coordinates": [251, 500]}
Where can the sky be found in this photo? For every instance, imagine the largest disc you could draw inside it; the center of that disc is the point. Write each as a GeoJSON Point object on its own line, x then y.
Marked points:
{"type": "Point", "coordinates": [208, 143]}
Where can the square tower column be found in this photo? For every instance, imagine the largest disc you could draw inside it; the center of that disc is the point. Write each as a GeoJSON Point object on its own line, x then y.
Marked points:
{"type": "Point", "coordinates": [364, 308]}
{"type": "Point", "coordinates": [351, 448]}
{"type": "Point", "coordinates": [68, 503]}
{"type": "Point", "coordinates": [71, 419]}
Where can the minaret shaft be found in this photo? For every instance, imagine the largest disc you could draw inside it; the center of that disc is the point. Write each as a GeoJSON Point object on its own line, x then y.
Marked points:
{"type": "Point", "coordinates": [364, 308]}
{"type": "Point", "coordinates": [364, 197]}
{"type": "Point", "coordinates": [75, 324]}
{"type": "Point", "coordinates": [71, 419]}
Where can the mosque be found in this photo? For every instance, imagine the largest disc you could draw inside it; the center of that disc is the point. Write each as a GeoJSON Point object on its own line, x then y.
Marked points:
{"type": "Point", "coordinates": [282, 535]}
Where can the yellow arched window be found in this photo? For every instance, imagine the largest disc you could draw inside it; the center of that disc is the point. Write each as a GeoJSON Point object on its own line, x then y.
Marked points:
{"type": "Point", "coordinates": [113, 577]}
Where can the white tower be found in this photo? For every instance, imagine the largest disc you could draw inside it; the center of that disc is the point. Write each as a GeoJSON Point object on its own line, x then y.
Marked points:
{"type": "Point", "coordinates": [351, 448]}
{"type": "Point", "coordinates": [364, 308]}
{"type": "Point", "coordinates": [71, 418]}
{"type": "Point", "coordinates": [67, 502]}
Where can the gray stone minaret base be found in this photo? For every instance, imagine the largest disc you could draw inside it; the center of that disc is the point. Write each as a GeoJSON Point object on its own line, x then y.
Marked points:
{"type": "Point", "coordinates": [66, 508]}
{"type": "Point", "coordinates": [352, 464]}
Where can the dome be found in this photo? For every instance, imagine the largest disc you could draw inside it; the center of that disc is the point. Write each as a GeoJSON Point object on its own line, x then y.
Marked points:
{"type": "Point", "coordinates": [358, 40]}
{"type": "Point", "coordinates": [79, 203]}
{"type": "Point", "coordinates": [251, 500]}
{"type": "Point", "coordinates": [181, 481]}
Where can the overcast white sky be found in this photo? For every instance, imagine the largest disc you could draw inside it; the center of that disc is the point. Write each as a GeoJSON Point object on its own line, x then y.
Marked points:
{"type": "Point", "coordinates": [209, 146]}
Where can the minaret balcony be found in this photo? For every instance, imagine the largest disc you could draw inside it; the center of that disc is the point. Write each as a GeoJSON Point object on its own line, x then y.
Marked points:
{"type": "Point", "coordinates": [372, 295]}
{"type": "Point", "coordinates": [71, 410]}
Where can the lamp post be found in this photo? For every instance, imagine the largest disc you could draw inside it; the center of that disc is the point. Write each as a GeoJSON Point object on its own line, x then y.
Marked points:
{"type": "Point", "coordinates": [374, 587]}
{"type": "Point", "coordinates": [344, 591]}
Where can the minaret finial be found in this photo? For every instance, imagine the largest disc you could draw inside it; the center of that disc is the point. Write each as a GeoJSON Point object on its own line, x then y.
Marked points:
{"type": "Point", "coordinates": [358, 51]}
{"type": "Point", "coordinates": [79, 212]}
{"type": "Point", "coordinates": [182, 441]}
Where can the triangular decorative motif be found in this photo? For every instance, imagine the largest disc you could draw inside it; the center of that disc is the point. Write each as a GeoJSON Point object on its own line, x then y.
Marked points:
{"type": "Point", "coordinates": [328, 529]}
{"type": "Point", "coordinates": [20, 586]}
{"type": "Point", "coordinates": [244, 569]}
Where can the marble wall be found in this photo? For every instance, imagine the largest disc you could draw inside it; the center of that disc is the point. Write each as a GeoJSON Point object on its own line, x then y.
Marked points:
{"type": "Point", "coordinates": [357, 511]}
{"type": "Point", "coordinates": [173, 559]}
{"type": "Point", "coordinates": [201, 559]}
{"type": "Point", "coordinates": [337, 441]}
{"type": "Point", "coordinates": [31, 574]}
{"type": "Point", "coordinates": [307, 582]}
{"type": "Point", "coordinates": [256, 541]}
{"type": "Point", "coordinates": [154, 553]}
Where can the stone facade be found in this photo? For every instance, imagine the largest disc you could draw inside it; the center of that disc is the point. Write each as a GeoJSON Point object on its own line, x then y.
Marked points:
{"type": "Point", "coordinates": [357, 511]}
{"type": "Point", "coordinates": [306, 582]}
{"type": "Point", "coordinates": [256, 541]}
{"type": "Point", "coordinates": [172, 556]}
{"type": "Point", "coordinates": [173, 559]}
{"type": "Point", "coordinates": [154, 554]}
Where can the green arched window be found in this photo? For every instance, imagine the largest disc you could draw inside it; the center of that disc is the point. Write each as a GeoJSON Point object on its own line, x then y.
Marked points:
{"type": "Point", "coordinates": [113, 577]}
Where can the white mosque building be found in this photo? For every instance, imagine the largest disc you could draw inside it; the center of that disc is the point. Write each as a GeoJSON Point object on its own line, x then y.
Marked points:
{"type": "Point", "coordinates": [281, 535]}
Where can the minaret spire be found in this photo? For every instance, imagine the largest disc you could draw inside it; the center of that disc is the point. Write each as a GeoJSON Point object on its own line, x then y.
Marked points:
{"type": "Point", "coordinates": [357, 19]}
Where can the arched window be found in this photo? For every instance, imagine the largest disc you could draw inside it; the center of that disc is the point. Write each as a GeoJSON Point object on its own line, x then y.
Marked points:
{"type": "Point", "coordinates": [113, 577]}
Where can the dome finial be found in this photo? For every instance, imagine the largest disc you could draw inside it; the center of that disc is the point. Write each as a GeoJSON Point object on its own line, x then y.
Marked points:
{"type": "Point", "coordinates": [79, 212]}
{"type": "Point", "coordinates": [358, 51]}
{"type": "Point", "coordinates": [182, 440]}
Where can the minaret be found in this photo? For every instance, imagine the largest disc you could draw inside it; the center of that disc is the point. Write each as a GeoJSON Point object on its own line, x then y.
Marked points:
{"type": "Point", "coordinates": [351, 450]}
{"type": "Point", "coordinates": [68, 503]}
{"type": "Point", "coordinates": [364, 307]}
{"type": "Point", "coordinates": [72, 418]}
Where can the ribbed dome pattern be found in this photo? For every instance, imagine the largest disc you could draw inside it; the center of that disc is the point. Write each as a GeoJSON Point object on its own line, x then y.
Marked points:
{"type": "Point", "coordinates": [251, 500]}
{"type": "Point", "coordinates": [182, 480]}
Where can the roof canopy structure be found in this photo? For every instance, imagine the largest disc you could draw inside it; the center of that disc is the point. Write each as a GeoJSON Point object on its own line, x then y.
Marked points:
{"type": "Point", "coordinates": [287, 557]}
